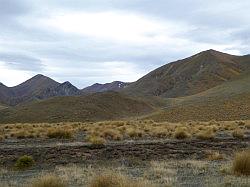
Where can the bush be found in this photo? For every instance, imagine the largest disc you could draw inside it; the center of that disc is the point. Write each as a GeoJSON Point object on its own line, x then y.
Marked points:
{"type": "Point", "coordinates": [181, 133]}
{"type": "Point", "coordinates": [48, 181]}
{"type": "Point", "coordinates": [206, 135]}
{"type": "Point", "coordinates": [60, 134]}
{"type": "Point", "coordinates": [238, 133]}
{"type": "Point", "coordinates": [241, 163]}
{"type": "Point", "coordinates": [24, 162]}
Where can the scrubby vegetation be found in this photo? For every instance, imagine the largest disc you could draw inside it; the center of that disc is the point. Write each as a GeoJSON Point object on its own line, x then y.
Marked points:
{"type": "Point", "coordinates": [125, 130]}
{"type": "Point", "coordinates": [24, 162]}
{"type": "Point", "coordinates": [48, 180]}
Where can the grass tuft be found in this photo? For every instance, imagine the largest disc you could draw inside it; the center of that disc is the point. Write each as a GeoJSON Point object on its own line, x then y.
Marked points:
{"type": "Point", "coordinates": [48, 181]}
{"type": "Point", "coordinates": [241, 163]}
{"type": "Point", "coordinates": [206, 134]}
{"type": "Point", "coordinates": [60, 134]}
{"type": "Point", "coordinates": [181, 133]}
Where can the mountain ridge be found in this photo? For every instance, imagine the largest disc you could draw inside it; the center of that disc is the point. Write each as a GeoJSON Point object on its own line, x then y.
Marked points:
{"type": "Point", "coordinates": [190, 75]}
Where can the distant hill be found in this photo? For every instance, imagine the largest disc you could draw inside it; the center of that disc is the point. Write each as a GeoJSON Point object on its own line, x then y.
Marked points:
{"type": "Point", "coordinates": [94, 107]}
{"type": "Point", "coordinates": [228, 101]}
{"type": "Point", "coordinates": [190, 76]}
{"type": "Point", "coordinates": [38, 87]}
{"type": "Point", "coordinates": [113, 86]}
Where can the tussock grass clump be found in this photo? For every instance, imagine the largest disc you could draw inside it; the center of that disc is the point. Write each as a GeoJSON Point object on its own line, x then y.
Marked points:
{"type": "Point", "coordinates": [206, 134]}
{"type": "Point", "coordinates": [241, 163]}
{"type": "Point", "coordinates": [134, 133]}
{"type": "Point", "coordinates": [60, 134]}
{"type": "Point", "coordinates": [47, 181]}
{"type": "Point", "coordinates": [181, 133]}
{"type": "Point", "coordinates": [96, 140]}
{"type": "Point", "coordinates": [112, 134]}
{"type": "Point", "coordinates": [238, 133]}
{"type": "Point", "coordinates": [112, 179]}
{"type": "Point", "coordinates": [24, 162]}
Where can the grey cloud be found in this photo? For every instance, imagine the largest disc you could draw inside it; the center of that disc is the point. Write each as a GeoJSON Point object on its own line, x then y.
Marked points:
{"type": "Point", "coordinates": [21, 62]}
{"type": "Point", "coordinates": [214, 23]}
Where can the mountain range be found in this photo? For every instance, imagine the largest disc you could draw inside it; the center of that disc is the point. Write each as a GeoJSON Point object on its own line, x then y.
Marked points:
{"type": "Point", "coordinates": [41, 87]}
{"type": "Point", "coordinates": [205, 86]}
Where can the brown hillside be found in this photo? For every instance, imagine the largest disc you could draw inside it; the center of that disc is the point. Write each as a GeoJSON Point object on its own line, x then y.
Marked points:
{"type": "Point", "coordinates": [95, 107]}
{"type": "Point", "coordinates": [228, 101]}
{"type": "Point", "coordinates": [191, 75]}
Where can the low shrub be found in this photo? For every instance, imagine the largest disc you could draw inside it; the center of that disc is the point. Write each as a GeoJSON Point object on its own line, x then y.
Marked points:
{"type": "Point", "coordinates": [47, 181]}
{"type": "Point", "coordinates": [24, 162]}
{"type": "Point", "coordinates": [241, 163]}
{"type": "Point", "coordinates": [181, 133]}
{"type": "Point", "coordinates": [60, 134]}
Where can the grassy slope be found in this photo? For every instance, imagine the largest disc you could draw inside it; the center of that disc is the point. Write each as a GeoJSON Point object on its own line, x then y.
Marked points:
{"type": "Point", "coordinates": [229, 101]}
{"type": "Point", "coordinates": [191, 75]}
{"type": "Point", "coordinates": [100, 106]}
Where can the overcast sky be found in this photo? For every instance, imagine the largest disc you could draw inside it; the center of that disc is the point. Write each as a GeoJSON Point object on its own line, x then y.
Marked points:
{"type": "Point", "coordinates": [89, 41]}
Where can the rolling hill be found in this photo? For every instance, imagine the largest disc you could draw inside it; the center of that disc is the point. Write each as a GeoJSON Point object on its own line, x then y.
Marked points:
{"type": "Point", "coordinates": [94, 107]}
{"type": "Point", "coordinates": [228, 101]}
{"type": "Point", "coordinates": [191, 75]}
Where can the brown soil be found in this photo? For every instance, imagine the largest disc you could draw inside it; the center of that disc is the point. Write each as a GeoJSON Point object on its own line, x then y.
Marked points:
{"type": "Point", "coordinates": [51, 152]}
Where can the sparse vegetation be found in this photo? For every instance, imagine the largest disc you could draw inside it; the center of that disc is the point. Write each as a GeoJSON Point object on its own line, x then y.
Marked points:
{"type": "Point", "coordinates": [241, 163]}
{"type": "Point", "coordinates": [215, 156]}
{"type": "Point", "coordinates": [114, 179]}
{"type": "Point", "coordinates": [24, 162]}
{"type": "Point", "coordinates": [48, 180]}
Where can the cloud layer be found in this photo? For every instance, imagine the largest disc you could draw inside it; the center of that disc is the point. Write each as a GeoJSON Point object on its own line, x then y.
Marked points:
{"type": "Point", "coordinates": [101, 41]}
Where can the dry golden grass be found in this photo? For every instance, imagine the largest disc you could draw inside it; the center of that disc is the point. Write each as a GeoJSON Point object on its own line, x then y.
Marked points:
{"type": "Point", "coordinates": [238, 133]}
{"type": "Point", "coordinates": [211, 155]}
{"type": "Point", "coordinates": [60, 134]}
{"type": "Point", "coordinates": [206, 134]}
{"type": "Point", "coordinates": [96, 140]}
{"type": "Point", "coordinates": [181, 133]}
{"type": "Point", "coordinates": [114, 179]}
{"type": "Point", "coordinates": [123, 130]}
{"type": "Point", "coordinates": [48, 180]}
{"type": "Point", "coordinates": [241, 163]}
